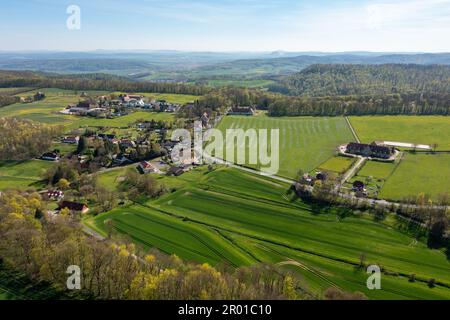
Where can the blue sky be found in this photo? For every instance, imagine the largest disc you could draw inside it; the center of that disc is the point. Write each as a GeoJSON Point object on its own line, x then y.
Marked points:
{"type": "Point", "coordinates": [228, 25]}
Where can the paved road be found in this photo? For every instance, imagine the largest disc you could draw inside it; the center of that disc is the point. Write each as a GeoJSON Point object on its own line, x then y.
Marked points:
{"type": "Point", "coordinates": [351, 172]}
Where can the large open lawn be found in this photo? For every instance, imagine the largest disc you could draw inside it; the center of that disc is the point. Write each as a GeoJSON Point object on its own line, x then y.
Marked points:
{"type": "Point", "coordinates": [305, 142]}
{"type": "Point", "coordinates": [413, 129]}
{"type": "Point", "coordinates": [215, 219]}
{"type": "Point", "coordinates": [22, 174]}
{"type": "Point", "coordinates": [416, 173]}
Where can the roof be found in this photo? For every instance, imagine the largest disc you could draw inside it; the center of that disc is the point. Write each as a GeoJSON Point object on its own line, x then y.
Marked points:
{"type": "Point", "coordinates": [372, 147]}
{"type": "Point", "coordinates": [242, 109]}
{"type": "Point", "coordinates": [50, 155]}
{"type": "Point", "coordinates": [146, 165]}
{"type": "Point", "coordinates": [358, 183]}
{"type": "Point", "coordinates": [175, 170]}
{"type": "Point", "coordinates": [74, 206]}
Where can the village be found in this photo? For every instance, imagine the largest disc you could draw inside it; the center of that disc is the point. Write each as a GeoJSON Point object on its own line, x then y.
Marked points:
{"type": "Point", "coordinates": [116, 106]}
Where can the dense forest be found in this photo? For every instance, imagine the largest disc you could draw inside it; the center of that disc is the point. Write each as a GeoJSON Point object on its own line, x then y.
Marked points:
{"type": "Point", "coordinates": [94, 81]}
{"type": "Point", "coordinates": [24, 139]}
{"type": "Point", "coordinates": [344, 79]}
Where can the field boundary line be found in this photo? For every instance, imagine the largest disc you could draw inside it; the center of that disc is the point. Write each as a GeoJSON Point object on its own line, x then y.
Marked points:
{"type": "Point", "coordinates": [352, 129]}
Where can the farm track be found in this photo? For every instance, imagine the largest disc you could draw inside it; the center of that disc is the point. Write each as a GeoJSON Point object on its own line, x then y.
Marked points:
{"type": "Point", "coordinates": [352, 130]}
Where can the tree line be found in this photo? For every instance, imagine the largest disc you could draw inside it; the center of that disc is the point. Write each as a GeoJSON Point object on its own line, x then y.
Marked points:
{"type": "Point", "coordinates": [98, 82]}
{"type": "Point", "coordinates": [391, 104]}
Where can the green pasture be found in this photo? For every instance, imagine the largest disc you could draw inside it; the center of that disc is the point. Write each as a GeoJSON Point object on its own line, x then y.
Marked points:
{"type": "Point", "coordinates": [337, 164]}
{"type": "Point", "coordinates": [22, 174]}
{"type": "Point", "coordinates": [419, 173]}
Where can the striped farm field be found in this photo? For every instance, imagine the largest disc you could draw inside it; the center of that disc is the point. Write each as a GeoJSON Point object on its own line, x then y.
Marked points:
{"type": "Point", "coordinates": [217, 220]}
{"type": "Point", "coordinates": [305, 142]}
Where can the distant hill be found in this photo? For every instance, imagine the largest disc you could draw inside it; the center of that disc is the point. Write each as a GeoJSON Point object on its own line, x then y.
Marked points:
{"type": "Point", "coordinates": [193, 66]}
{"type": "Point", "coordinates": [345, 79]}
{"type": "Point", "coordinates": [280, 66]}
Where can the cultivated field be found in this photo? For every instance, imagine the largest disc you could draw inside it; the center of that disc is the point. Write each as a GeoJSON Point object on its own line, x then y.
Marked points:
{"type": "Point", "coordinates": [212, 218]}
{"type": "Point", "coordinates": [305, 142]}
{"type": "Point", "coordinates": [413, 129]}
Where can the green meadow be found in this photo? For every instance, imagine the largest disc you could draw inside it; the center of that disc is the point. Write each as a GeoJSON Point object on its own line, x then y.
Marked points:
{"type": "Point", "coordinates": [418, 173]}
{"type": "Point", "coordinates": [305, 142]}
{"type": "Point", "coordinates": [22, 174]}
{"type": "Point", "coordinates": [412, 129]}
{"type": "Point", "coordinates": [337, 164]}
{"type": "Point", "coordinates": [212, 218]}
{"type": "Point", "coordinates": [377, 169]}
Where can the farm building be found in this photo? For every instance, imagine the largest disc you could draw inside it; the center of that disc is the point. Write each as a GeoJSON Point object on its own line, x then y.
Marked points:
{"type": "Point", "coordinates": [147, 167]}
{"type": "Point", "coordinates": [358, 186]}
{"type": "Point", "coordinates": [127, 143]}
{"type": "Point", "coordinates": [241, 111]}
{"type": "Point", "coordinates": [50, 156]}
{"type": "Point", "coordinates": [71, 140]}
{"type": "Point", "coordinates": [175, 171]}
{"type": "Point", "coordinates": [74, 206]}
{"type": "Point", "coordinates": [370, 150]}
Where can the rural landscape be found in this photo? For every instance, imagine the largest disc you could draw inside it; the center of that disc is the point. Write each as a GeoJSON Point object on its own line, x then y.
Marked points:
{"type": "Point", "coordinates": [95, 175]}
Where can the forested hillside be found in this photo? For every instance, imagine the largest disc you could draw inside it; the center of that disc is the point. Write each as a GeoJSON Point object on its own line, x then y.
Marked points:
{"type": "Point", "coordinates": [103, 82]}
{"type": "Point", "coordinates": [345, 79]}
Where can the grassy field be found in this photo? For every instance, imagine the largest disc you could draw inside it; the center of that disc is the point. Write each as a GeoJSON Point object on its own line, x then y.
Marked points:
{"type": "Point", "coordinates": [413, 129]}
{"type": "Point", "coordinates": [305, 142]}
{"type": "Point", "coordinates": [377, 169]}
{"type": "Point", "coordinates": [416, 173]}
{"type": "Point", "coordinates": [217, 220]}
{"type": "Point", "coordinates": [22, 174]}
{"type": "Point", "coordinates": [337, 164]}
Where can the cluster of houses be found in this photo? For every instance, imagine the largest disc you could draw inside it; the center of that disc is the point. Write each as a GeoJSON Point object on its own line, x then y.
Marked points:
{"type": "Point", "coordinates": [36, 97]}
{"type": "Point", "coordinates": [104, 107]}
{"type": "Point", "coordinates": [310, 180]}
